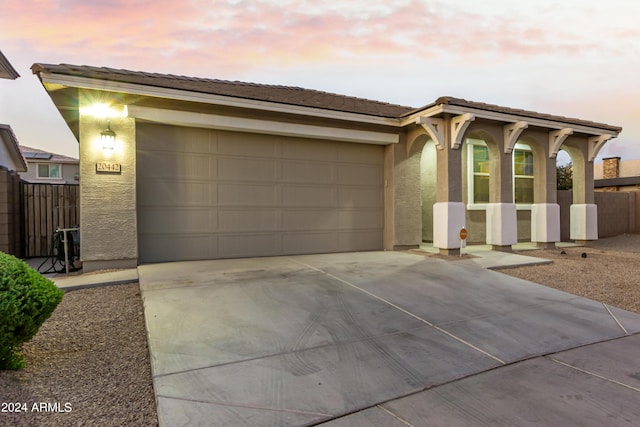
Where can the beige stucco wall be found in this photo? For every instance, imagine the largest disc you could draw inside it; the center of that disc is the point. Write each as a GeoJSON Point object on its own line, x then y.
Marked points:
{"type": "Point", "coordinates": [406, 189]}
{"type": "Point", "coordinates": [108, 225]}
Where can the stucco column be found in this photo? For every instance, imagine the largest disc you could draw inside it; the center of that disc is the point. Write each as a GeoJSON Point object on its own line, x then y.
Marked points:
{"type": "Point", "coordinates": [583, 211]}
{"type": "Point", "coordinates": [545, 212]}
{"type": "Point", "coordinates": [502, 223]}
{"type": "Point", "coordinates": [108, 223]}
{"type": "Point", "coordinates": [449, 210]}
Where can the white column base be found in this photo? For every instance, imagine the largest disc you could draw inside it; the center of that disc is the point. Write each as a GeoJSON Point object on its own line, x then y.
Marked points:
{"type": "Point", "coordinates": [448, 219]}
{"type": "Point", "coordinates": [502, 224]}
{"type": "Point", "coordinates": [545, 222]}
{"type": "Point", "coordinates": [584, 222]}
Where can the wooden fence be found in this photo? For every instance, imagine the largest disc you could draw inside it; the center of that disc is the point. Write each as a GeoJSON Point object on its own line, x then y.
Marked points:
{"type": "Point", "coordinates": [45, 208]}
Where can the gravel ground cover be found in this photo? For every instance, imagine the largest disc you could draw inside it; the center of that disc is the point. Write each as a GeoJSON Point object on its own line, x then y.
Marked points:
{"type": "Point", "coordinates": [610, 272]}
{"type": "Point", "coordinates": [89, 363]}
{"type": "Point", "coordinates": [87, 366]}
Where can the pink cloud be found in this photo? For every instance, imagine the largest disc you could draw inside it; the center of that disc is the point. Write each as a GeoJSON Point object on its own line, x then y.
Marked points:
{"type": "Point", "coordinates": [234, 35]}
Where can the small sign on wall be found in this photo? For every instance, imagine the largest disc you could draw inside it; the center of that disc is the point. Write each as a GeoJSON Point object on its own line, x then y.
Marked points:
{"type": "Point", "coordinates": [108, 167]}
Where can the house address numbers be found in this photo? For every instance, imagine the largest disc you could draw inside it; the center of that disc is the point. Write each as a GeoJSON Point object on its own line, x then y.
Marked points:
{"type": "Point", "coordinates": [108, 167]}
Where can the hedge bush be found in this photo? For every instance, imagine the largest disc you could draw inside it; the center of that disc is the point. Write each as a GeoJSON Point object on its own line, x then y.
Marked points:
{"type": "Point", "coordinates": [27, 299]}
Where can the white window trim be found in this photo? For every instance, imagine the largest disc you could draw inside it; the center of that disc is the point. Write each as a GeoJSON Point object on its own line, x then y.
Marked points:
{"type": "Point", "coordinates": [60, 178]}
{"type": "Point", "coordinates": [519, 206]}
{"type": "Point", "coordinates": [470, 174]}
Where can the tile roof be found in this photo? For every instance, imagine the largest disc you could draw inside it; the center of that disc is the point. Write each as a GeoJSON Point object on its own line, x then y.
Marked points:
{"type": "Point", "coordinates": [254, 91]}
{"type": "Point", "coordinates": [291, 95]}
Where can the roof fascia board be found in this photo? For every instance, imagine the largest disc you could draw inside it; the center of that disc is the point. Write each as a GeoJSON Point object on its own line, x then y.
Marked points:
{"type": "Point", "coordinates": [532, 121]}
{"type": "Point", "coordinates": [504, 117]}
{"type": "Point", "coordinates": [229, 123]}
{"type": "Point", "coordinates": [6, 69]}
{"type": "Point", "coordinates": [429, 112]}
{"type": "Point", "coordinates": [229, 101]}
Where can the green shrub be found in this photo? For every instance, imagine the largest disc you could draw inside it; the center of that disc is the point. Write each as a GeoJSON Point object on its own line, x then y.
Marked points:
{"type": "Point", "coordinates": [27, 299]}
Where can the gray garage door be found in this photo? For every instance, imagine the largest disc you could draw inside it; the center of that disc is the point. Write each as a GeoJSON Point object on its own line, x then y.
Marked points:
{"type": "Point", "coordinates": [205, 194]}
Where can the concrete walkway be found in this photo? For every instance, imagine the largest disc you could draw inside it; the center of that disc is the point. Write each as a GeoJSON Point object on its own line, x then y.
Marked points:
{"type": "Point", "coordinates": [381, 339]}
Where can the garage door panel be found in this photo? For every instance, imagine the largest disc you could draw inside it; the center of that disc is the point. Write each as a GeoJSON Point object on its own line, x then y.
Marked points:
{"type": "Point", "coordinates": [179, 221]}
{"type": "Point", "coordinates": [164, 192]}
{"type": "Point", "coordinates": [238, 145]}
{"type": "Point", "coordinates": [360, 175]}
{"type": "Point", "coordinates": [354, 153]}
{"type": "Point", "coordinates": [248, 220]}
{"type": "Point", "coordinates": [209, 194]}
{"type": "Point", "coordinates": [308, 196]}
{"type": "Point", "coordinates": [175, 139]}
{"type": "Point", "coordinates": [359, 241]}
{"type": "Point", "coordinates": [162, 248]}
{"type": "Point", "coordinates": [176, 165]}
{"type": "Point", "coordinates": [308, 243]}
{"type": "Point", "coordinates": [243, 169]}
{"type": "Point", "coordinates": [360, 219]}
{"type": "Point", "coordinates": [305, 172]}
{"type": "Point", "coordinates": [319, 219]}
{"type": "Point", "coordinates": [248, 195]}
{"type": "Point", "coordinates": [360, 196]}
{"type": "Point", "coordinates": [323, 151]}
{"type": "Point", "coordinates": [244, 245]}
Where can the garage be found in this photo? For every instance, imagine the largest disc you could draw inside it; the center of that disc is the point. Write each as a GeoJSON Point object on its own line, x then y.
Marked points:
{"type": "Point", "coordinates": [209, 194]}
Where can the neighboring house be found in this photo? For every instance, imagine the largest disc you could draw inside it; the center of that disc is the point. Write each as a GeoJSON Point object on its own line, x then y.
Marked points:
{"type": "Point", "coordinates": [206, 169]}
{"type": "Point", "coordinates": [11, 163]}
{"type": "Point", "coordinates": [10, 157]}
{"type": "Point", "coordinates": [49, 168]}
{"type": "Point", "coordinates": [6, 69]}
{"type": "Point", "coordinates": [614, 175]}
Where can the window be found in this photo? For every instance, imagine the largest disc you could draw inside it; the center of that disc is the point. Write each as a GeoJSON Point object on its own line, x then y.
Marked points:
{"type": "Point", "coordinates": [49, 170]}
{"type": "Point", "coordinates": [478, 172]}
{"type": "Point", "coordinates": [522, 175]}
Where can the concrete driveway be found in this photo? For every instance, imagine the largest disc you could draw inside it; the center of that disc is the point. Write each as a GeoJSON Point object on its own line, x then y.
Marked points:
{"type": "Point", "coordinates": [381, 339]}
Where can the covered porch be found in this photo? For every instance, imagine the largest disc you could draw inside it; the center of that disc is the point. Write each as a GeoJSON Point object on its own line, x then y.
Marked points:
{"type": "Point", "coordinates": [491, 170]}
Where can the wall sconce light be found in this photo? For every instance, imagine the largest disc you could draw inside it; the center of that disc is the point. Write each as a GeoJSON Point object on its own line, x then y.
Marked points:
{"type": "Point", "coordinates": [108, 137]}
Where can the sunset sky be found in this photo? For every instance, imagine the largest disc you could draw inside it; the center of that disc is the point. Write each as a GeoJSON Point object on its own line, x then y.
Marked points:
{"type": "Point", "coordinates": [576, 58]}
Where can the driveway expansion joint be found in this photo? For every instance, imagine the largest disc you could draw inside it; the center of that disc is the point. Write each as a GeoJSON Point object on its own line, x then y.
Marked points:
{"type": "Point", "coordinates": [426, 322]}
{"type": "Point", "coordinates": [616, 319]}
{"type": "Point", "coordinates": [593, 374]}
{"type": "Point", "coordinates": [394, 415]}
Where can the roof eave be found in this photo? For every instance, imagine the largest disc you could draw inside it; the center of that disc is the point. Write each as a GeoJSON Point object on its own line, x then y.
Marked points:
{"type": "Point", "coordinates": [206, 98]}
{"type": "Point", "coordinates": [14, 151]}
{"type": "Point", "coordinates": [6, 69]}
{"type": "Point", "coordinates": [438, 109]}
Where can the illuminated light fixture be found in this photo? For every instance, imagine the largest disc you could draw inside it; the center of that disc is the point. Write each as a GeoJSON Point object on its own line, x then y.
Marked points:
{"type": "Point", "coordinates": [104, 111]}
{"type": "Point", "coordinates": [108, 137]}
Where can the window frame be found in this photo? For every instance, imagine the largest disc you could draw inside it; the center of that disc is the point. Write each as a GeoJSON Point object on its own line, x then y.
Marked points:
{"type": "Point", "coordinates": [471, 205]}
{"type": "Point", "coordinates": [522, 147]}
{"type": "Point", "coordinates": [48, 165]}
{"type": "Point", "coordinates": [471, 174]}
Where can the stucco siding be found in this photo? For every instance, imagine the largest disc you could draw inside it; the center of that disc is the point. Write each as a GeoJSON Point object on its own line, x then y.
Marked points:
{"type": "Point", "coordinates": [408, 214]}
{"type": "Point", "coordinates": [108, 227]}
